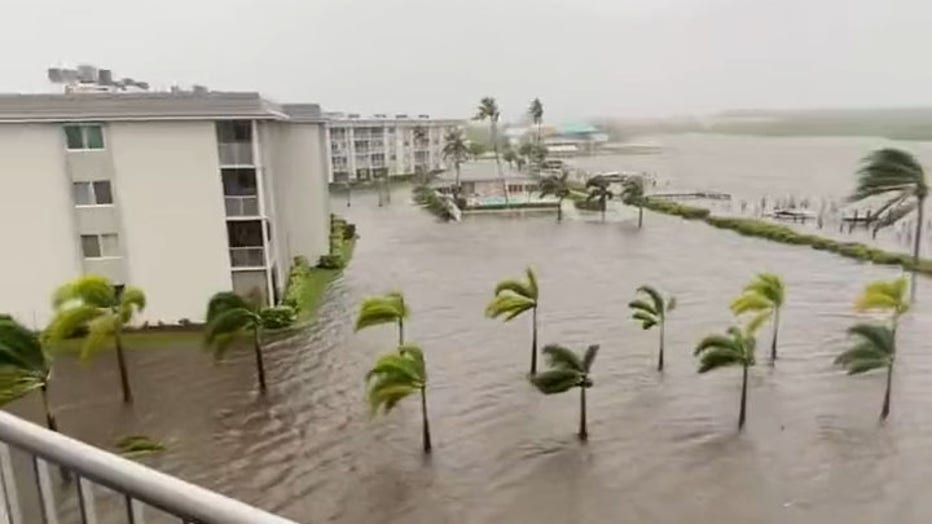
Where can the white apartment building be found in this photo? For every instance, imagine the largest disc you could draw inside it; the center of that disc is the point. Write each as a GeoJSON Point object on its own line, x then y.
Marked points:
{"type": "Point", "coordinates": [180, 194]}
{"type": "Point", "coordinates": [362, 148]}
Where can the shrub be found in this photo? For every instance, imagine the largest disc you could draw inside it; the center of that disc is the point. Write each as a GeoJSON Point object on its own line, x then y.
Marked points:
{"type": "Point", "coordinates": [675, 208]}
{"type": "Point", "coordinates": [331, 262]}
{"type": "Point", "coordinates": [278, 317]}
{"type": "Point", "coordinates": [587, 205]}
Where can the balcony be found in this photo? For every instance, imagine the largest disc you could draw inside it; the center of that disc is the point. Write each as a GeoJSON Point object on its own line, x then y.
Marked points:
{"type": "Point", "coordinates": [91, 470]}
{"type": "Point", "coordinates": [235, 153]}
{"type": "Point", "coordinates": [247, 256]}
{"type": "Point", "coordinates": [241, 206]}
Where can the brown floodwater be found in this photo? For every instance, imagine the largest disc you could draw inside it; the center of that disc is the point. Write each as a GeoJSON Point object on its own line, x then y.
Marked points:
{"type": "Point", "coordinates": [662, 448]}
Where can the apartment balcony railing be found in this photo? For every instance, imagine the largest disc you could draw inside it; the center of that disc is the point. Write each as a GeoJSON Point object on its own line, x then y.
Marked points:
{"type": "Point", "coordinates": [235, 153]}
{"type": "Point", "coordinates": [89, 469]}
{"type": "Point", "coordinates": [247, 257]}
{"type": "Point", "coordinates": [239, 206]}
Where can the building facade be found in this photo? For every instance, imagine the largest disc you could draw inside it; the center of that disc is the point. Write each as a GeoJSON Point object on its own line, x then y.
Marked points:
{"type": "Point", "coordinates": [365, 148]}
{"type": "Point", "coordinates": [180, 194]}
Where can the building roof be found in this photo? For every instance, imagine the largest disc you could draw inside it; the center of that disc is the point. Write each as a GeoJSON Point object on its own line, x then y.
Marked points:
{"type": "Point", "coordinates": [579, 128]}
{"type": "Point", "coordinates": [147, 106]}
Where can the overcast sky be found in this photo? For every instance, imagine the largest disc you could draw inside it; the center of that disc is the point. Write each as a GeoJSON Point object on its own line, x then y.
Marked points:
{"type": "Point", "coordinates": [581, 57]}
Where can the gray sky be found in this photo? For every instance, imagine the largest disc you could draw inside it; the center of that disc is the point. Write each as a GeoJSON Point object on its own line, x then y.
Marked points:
{"type": "Point", "coordinates": [582, 57]}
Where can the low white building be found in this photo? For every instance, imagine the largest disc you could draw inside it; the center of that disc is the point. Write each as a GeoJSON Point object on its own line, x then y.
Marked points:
{"type": "Point", "coordinates": [180, 194]}
{"type": "Point", "coordinates": [363, 148]}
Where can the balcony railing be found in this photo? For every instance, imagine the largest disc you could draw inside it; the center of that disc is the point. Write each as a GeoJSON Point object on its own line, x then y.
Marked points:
{"type": "Point", "coordinates": [247, 257]}
{"type": "Point", "coordinates": [88, 469]}
{"type": "Point", "coordinates": [239, 206]}
{"type": "Point", "coordinates": [235, 153]}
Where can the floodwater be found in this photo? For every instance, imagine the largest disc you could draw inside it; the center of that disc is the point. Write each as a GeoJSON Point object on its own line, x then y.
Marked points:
{"type": "Point", "coordinates": [662, 448]}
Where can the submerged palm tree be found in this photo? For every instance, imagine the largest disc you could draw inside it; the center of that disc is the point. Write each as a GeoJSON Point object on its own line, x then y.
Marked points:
{"type": "Point", "coordinates": [763, 296]}
{"type": "Point", "coordinates": [25, 366]}
{"type": "Point", "coordinates": [568, 371]}
{"type": "Point", "coordinates": [488, 110]}
{"type": "Point", "coordinates": [536, 112]}
{"type": "Point", "coordinates": [558, 186]}
{"type": "Point", "coordinates": [897, 175]}
{"type": "Point", "coordinates": [875, 349]}
{"type": "Point", "coordinates": [229, 316]}
{"type": "Point", "coordinates": [632, 193]}
{"type": "Point", "coordinates": [455, 150]}
{"type": "Point", "coordinates": [599, 191]}
{"type": "Point", "coordinates": [653, 313]}
{"type": "Point", "coordinates": [514, 297]}
{"type": "Point", "coordinates": [394, 377]}
{"type": "Point", "coordinates": [94, 303]}
{"type": "Point", "coordinates": [384, 309]}
{"type": "Point", "coordinates": [734, 349]}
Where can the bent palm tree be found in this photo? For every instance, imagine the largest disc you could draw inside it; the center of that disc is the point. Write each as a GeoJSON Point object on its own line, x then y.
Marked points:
{"type": "Point", "coordinates": [763, 296]}
{"type": "Point", "coordinates": [568, 371]}
{"type": "Point", "coordinates": [25, 366]}
{"type": "Point", "coordinates": [653, 313]}
{"type": "Point", "coordinates": [94, 303]}
{"type": "Point", "coordinates": [229, 316]}
{"type": "Point", "coordinates": [885, 295]}
{"type": "Point", "coordinates": [557, 186]}
{"type": "Point", "coordinates": [394, 377]}
{"type": "Point", "coordinates": [897, 175]}
{"type": "Point", "coordinates": [488, 110]}
{"type": "Point", "coordinates": [513, 297]}
{"type": "Point", "coordinates": [384, 309]}
{"type": "Point", "coordinates": [536, 112]}
{"type": "Point", "coordinates": [875, 349]}
{"type": "Point", "coordinates": [455, 150]}
{"type": "Point", "coordinates": [734, 349]}
{"type": "Point", "coordinates": [599, 191]}
{"type": "Point", "coordinates": [632, 193]}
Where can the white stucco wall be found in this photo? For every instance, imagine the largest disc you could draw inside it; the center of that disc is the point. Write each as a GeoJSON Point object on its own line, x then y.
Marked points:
{"type": "Point", "coordinates": [169, 191]}
{"type": "Point", "coordinates": [40, 243]}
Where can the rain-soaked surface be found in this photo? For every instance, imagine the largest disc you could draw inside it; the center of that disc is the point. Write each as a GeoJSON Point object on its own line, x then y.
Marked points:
{"type": "Point", "coordinates": [662, 448]}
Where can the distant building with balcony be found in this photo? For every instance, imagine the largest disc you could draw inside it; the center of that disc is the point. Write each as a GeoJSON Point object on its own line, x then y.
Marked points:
{"type": "Point", "coordinates": [380, 145]}
{"type": "Point", "coordinates": [181, 194]}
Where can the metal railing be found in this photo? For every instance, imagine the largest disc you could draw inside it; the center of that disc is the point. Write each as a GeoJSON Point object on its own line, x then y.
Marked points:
{"type": "Point", "coordinates": [84, 467]}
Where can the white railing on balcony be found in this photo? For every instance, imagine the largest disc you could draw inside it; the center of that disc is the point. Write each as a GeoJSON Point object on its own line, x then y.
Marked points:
{"type": "Point", "coordinates": [28, 494]}
{"type": "Point", "coordinates": [247, 257]}
{"type": "Point", "coordinates": [238, 206]}
{"type": "Point", "coordinates": [235, 153]}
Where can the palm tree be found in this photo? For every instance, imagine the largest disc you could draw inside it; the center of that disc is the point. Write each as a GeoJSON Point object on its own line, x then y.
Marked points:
{"type": "Point", "coordinates": [896, 174]}
{"type": "Point", "coordinates": [394, 377]}
{"type": "Point", "coordinates": [455, 150]}
{"type": "Point", "coordinates": [558, 186]}
{"type": "Point", "coordinates": [488, 110]}
{"type": "Point", "coordinates": [568, 371]}
{"type": "Point", "coordinates": [763, 296]}
{"type": "Point", "coordinates": [536, 112]}
{"type": "Point", "coordinates": [876, 348]}
{"type": "Point", "coordinates": [229, 316]}
{"type": "Point", "coordinates": [384, 309]}
{"type": "Point", "coordinates": [653, 313]}
{"type": "Point", "coordinates": [734, 349]}
{"type": "Point", "coordinates": [632, 192]}
{"type": "Point", "coordinates": [510, 157]}
{"type": "Point", "coordinates": [94, 303]}
{"type": "Point", "coordinates": [599, 190]}
{"type": "Point", "coordinates": [887, 296]}
{"type": "Point", "coordinates": [514, 297]}
{"type": "Point", "coordinates": [25, 366]}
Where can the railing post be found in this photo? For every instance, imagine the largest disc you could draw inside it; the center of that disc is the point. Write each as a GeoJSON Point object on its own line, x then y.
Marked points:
{"type": "Point", "coordinates": [9, 511]}
{"type": "Point", "coordinates": [44, 487]}
{"type": "Point", "coordinates": [86, 501]}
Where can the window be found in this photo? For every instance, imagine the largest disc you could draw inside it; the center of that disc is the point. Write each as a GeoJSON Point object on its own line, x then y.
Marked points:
{"type": "Point", "coordinates": [234, 131]}
{"type": "Point", "coordinates": [92, 193]}
{"type": "Point", "coordinates": [245, 233]}
{"type": "Point", "coordinates": [239, 181]}
{"type": "Point", "coordinates": [84, 136]}
{"type": "Point", "coordinates": [100, 246]}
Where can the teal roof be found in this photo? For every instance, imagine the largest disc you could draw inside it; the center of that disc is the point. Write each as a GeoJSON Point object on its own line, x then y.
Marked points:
{"type": "Point", "coordinates": [580, 128]}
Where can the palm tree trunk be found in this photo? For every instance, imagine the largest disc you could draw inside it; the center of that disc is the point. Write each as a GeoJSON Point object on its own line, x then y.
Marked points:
{"type": "Point", "coordinates": [124, 374]}
{"type": "Point", "coordinates": [534, 341]}
{"type": "Point", "coordinates": [640, 216]}
{"type": "Point", "coordinates": [260, 366]}
{"type": "Point", "coordinates": [744, 397]}
{"type": "Point", "coordinates": [776, 329]}
{"type": "Point", "coordinates": [401, 331]}
{"type": "Point", "coordinates": [49, 417]}
{"type": "Point", "coordinates": [660, 358]}
{"type": "Point", "coordinates": [498, 160]}
{"type": "Point", "coordinates": [426, 434]}
{"type": "Point", "coordinates": [886, 396]}
{"type": "Point", "coordinates": [457, 164]}
{"type": "Point", "coordinates": [583, 430]}
{"type": "Point", "coordinates": [916, 244]}
{"type": "Point", "coordinates": [603, 210]}
{"type": "Point", "coordinates": [560, 210]}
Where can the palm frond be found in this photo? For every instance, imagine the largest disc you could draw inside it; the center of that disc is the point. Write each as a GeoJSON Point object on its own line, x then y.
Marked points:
{"type": "Point", "coordinates": [671, 303]}
{"type": "Point", "coordinates": [70, 320]}
{"type": "Point", "coordinates": [712, 342]}
{"type": "Point", "coordinates": [381, 309]}
{"type": "Point", "coordinates": [655, 298]}
{"type": "Point", "coordinates": [718, 357]}
{"type": "Point", "coordinates": [880, 337]}
{"type": "Point", "coordinates": [748, 301]}
{"type": "Point", "coordinates": [532, 283]}
{"type": "Point", "coordinates": [862, 351]}
{"type": "Point", "coordinates": [132, 301]}
{"type": "Point", "coordinates": [222, 302]}
{"type": "Point", "coordinates": [515, 286]}
{"type": "Point", "coordinates": [395, 376]}
{"type": "Point", "coordinates": [221, 330]}
{"type": "Point", "coordinates": [555, 381]}
{"type": "Point", "coordinates": [886, 170]}
{"type": "Point", "coordinates": [16, 383]}
{"type": "Point", "coordinates": [894, 215]}
{"type": "Point", "coordinates": [414, 353]}
{"type": "Point", "coordinates": [769, 286]}
{"type": "Point", "coordinates": [401, 368]}
{"type": "Point", "coordinates": [884, 295]}
{"type": "Point", "coordinates": [508, 305]}
{"type": "Point", "coordinates": [643, 306]}
{"type": "Point", "coordinates": [99, 332]}
{"type": "Point", "coordinates": [386, 394]}
{"type": "Point", "coordinates": [21, 348]}
{"type": "Point", "coordinates": [93, 290]}
{"type": "Point", "coordinates": [758, 320]}
{"type": "Point", "coordinates": [589, 357]}
{"type": "Point", "coordinates": [856, 367]}
{"type": "Point", "coordinates": [562, 357]}
{"type": "Point", "coordinates": [647, 320]}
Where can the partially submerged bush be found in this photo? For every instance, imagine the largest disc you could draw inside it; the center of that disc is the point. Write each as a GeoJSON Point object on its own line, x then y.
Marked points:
{"type": "Point", "coordinates": [278, 317]}
{"type": "Point", "coordinates": [675, 208]}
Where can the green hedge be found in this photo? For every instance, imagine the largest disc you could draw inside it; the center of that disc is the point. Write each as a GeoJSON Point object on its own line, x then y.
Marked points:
{"type": "Point", "coordinates": [675, 208]}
